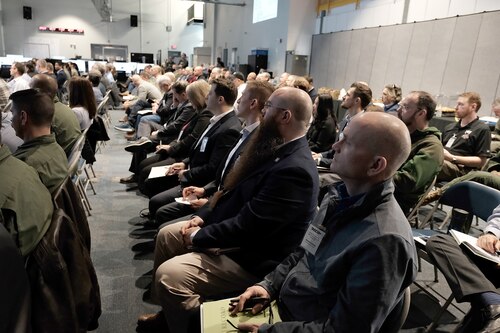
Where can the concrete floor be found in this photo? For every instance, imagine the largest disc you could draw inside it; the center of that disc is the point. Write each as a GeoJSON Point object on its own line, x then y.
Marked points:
{"type": "Point", "coordinates": [122, 252]}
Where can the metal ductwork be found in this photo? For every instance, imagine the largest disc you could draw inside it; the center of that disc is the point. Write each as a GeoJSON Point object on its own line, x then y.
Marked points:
{"type": "Point", "coordinates": [104, 9]}
{"type": "Point", "coordinates": [218, 2]}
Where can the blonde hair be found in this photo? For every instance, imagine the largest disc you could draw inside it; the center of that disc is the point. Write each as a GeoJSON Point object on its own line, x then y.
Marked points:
{"type": "Point", "coordinates": [197, 93]}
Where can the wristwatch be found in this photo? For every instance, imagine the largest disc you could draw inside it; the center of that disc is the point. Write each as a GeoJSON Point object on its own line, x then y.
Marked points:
{"type": "Point", "coordinates": [454, 160]}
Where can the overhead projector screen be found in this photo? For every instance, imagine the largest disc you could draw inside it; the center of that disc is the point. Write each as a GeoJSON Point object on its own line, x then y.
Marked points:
{"type": "Point", "coordinates": [264, 10]}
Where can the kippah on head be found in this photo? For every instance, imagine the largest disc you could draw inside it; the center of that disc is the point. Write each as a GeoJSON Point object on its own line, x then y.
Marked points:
{"type": "Point", "coordinates": [25, 93]}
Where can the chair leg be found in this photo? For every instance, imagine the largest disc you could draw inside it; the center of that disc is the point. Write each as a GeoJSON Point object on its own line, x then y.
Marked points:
{"type": "Point", "coordinates": [83, 196]}
{"type": "Point", "coordinates": [92, 169]}
{"type": "Point", "coordinates": [445, 221]}
{"type": "Point", "coordinates": [429, 218]}
{"type": "Point", "coordinates": [438, 315]}
{"type": "Point", "coordinates": [88, 181]}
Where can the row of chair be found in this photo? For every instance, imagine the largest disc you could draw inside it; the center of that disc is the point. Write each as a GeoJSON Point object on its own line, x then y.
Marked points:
{"type": "Point", "coordinates": [474, 198]}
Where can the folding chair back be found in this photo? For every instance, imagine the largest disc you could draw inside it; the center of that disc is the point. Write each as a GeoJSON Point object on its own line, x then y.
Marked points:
{"type": "Point", "coordinates": [475, 198]}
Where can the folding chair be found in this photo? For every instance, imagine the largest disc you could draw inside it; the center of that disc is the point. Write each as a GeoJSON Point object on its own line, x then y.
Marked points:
{"type": "Point", "coordinates": [474, 198]}
{"type": "Point", "coordinates": [465, 196]}
{"type": "Point", "coordinates": [103, 110]}
{"type": "Point", "coordinates": [413, 214]}
{"type": "Point", "coordinates": [73, 168]}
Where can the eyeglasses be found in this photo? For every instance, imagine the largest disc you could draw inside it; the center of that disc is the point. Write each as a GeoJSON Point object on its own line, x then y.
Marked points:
{"type": "Point", "coordinates": [268, 105]}
{"type": "Point", "coordinates": [403, 107]}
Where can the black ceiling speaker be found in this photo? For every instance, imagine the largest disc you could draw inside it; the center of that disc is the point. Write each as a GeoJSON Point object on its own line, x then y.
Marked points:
{"type": "Point", "coordinates": [133, 20]}
{"type": "Point", "coordinates": [27, 13]}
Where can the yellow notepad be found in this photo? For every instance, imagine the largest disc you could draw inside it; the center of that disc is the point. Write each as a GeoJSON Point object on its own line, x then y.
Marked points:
{"type": "Point", "coordinates": [214, 317]}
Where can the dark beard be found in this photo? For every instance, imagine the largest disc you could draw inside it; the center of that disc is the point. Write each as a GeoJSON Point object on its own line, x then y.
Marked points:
{"type": "Point", "coordinates": [260, 149]}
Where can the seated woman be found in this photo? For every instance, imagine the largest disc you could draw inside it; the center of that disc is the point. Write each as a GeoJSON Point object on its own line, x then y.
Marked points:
{"type": "Point", "coordinates": [178, 149]}
{"type": "Point", "coordinates": [82, 101]}
{"type": "Point", "coordinates": [391, 96]}
{"type": "Point", "coordinates": [321, 135]}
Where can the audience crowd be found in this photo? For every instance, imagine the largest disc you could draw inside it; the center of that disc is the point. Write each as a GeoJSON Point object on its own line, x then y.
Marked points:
{"type": "Point", "coordinates": [257, 187]}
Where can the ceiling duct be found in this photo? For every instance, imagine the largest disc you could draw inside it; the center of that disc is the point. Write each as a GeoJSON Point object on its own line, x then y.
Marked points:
{"type": "Point", "coordinates": [104, 9]}
{"type": "Point", "coordinates": [218, 2]}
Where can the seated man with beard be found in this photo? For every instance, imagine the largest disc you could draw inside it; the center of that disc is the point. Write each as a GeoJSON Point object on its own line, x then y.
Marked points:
{"type": "Point", "coordinates": [269, 198]}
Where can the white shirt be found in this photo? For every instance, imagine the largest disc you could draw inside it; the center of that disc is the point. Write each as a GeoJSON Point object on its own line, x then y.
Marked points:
{"type": "Point", "coordinates": [214, 120]}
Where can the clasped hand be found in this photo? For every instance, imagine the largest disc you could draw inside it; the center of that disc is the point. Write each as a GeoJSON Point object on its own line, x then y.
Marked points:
{"type": "Point", "coordinates": [189, 227]}
{"type": "Point", "coordinates": [176, 168]}
{"type": "Point", "coordinates": [194, 195]}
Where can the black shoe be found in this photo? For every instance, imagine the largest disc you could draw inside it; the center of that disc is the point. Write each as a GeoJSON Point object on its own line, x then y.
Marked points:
{"type": "Point", "coordinates": [470, 322]}
{"type": "Point", "coordinates": [141, 144]}
{"type": "Point", "coordinates": [145, 213]}
{"type": "Point", "coordinates": [152, 323]}
{"type": "Point", "coordinates": [148, 224]}
{"type": "Point", "coordinates": [129, 180]}
{"type": "Point", "coordinates": [491, 319]}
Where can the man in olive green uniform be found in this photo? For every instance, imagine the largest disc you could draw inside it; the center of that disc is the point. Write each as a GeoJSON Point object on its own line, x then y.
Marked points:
{"type": "Point", "coordinates": [32, 114]}
{"type": "Point", "coordinates": [426, 156]}
{"type": "Point", "coordinates": [25, 204]}
{"type": "Point", "coordinates": [65, 125]}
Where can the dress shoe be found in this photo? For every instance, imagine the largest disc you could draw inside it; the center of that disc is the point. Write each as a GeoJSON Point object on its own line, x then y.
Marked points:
{"type": "Point", "coordinates": [470, 323]}
{"type": "Point", "coordinates": [491, 319]}
{"type": "Point", "coordinates": [141, 144]}
{"type": "Point", "coordinates": [129, 180]}
{"type": "Point", "coordinates": [152, 323]}
{"type": "Point", "coordinates": [125, 127]}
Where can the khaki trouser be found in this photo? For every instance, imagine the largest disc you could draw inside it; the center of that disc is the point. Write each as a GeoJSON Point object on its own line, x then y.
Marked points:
{"type": "Point", "coordinates": [184, 279]}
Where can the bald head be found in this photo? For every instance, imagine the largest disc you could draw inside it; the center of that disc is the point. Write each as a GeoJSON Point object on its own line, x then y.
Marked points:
{"type": "Point", "coordinates": [45, 84]}
{"type": "Point", "coordinates": [298, 102]}
{"type": "Point", "coordinates": [374, 145]}
{"type": "Point", "coordinates": [136, 80]}
{"type": "Point", "coordinates": [388, 136]}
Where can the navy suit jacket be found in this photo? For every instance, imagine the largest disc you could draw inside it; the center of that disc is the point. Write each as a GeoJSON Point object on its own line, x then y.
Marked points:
{"type": "Point", "coordinates": [220, 140]}
{"type": "Point", "coordinates": [267, 213]}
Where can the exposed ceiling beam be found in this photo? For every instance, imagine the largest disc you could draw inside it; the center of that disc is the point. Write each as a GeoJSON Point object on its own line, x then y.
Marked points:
{"type": "Point", "coordinates": [217, 2]}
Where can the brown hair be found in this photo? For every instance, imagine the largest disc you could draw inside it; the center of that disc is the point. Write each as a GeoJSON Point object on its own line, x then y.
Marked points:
{"type": "Point", "coordinates": [82, 94]}
{"type": "Point", "coordinates": [226, 89]}
{"type": "Point", "coordinates": [472, 98]}
{"type": "Point", "coordinates": [362, 91]}
{"type": "Point", "coordinates": [260, 90]}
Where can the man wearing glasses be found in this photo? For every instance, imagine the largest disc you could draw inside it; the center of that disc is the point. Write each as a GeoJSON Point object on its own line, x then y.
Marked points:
{"type": "Point", "coordinates": [426, 155]}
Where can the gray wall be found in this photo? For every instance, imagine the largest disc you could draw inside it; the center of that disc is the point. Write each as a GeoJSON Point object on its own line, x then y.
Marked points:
{"type": "Point", "coordinates": [150, 36]}
{"type": "Point", "coordinates": [444, 57]}
{"type": "Point", "coordinates": [290, 30]}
